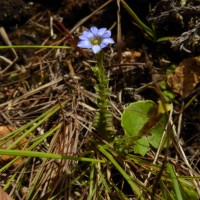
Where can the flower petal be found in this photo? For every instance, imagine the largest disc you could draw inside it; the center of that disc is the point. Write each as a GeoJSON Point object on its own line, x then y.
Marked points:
{"type": "Point", "coordinates": [87, 34]}
{"type": "Point", "coordinates": [106, 41]}
{"type": "Point", "coordinates": [96, 48]}
{"type": "Point", "coordinates": [107, 34]}
{"type": "Point", "coordinates": [103, 45]}
{"type": "Point", "coordinates": [84, 44]}
{"type": "Point", "coordinates": [101, 32]}
{"type": "Point", "coordinates": [82, 37]}
{"type": "Point", "coordinates": [94, 30]}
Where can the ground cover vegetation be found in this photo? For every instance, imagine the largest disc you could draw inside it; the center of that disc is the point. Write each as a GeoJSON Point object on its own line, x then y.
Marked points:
{"type": "Point", "coordinates": [99, 99]}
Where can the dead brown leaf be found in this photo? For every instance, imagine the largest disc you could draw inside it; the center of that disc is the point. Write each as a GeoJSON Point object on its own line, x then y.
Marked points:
{"type": "Point", "coordinates": [186, 76]}
{"type": "Point", "coordinates": [4, 195]}
{"type": "Point", "coordinates": [4, 131]}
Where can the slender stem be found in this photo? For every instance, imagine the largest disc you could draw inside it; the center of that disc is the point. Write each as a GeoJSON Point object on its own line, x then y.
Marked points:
{"type": "Point", "coordinates": [103, 120]}
{"type": "Point", "coordinates": [103, 83]}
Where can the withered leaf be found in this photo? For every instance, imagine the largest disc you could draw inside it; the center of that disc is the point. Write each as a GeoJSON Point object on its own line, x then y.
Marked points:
{"type": "Point", "coordinates": [186, 76]}
{"type": "Point", "coordinates": [4, 195]}
{"type": "Point", "coordinates": [4, 131]}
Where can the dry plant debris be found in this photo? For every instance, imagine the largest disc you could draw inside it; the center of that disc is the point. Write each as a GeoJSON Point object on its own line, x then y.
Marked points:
{"type": "Point", "coordinates": [4, 195]}
{"type": "Point", "coordinates": [186, 76]}
{"type": "Point", "coordinates": [4, 132]}
{"type": "Point", "coordinates": [37, 79]}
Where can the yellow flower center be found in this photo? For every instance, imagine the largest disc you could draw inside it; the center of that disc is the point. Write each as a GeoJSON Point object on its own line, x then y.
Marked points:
{"type": "Point", "coordinates": [95, 41]}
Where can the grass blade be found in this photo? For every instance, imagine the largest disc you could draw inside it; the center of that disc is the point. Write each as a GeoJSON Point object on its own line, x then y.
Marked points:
{"type": "Point", "coordinates": [36, 154]}
{"type": "Point", "coordinates": [175, 181]}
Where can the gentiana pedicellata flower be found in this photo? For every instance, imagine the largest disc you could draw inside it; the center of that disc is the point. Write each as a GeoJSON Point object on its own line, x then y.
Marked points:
{"type": "Point", "coordinates": [95, 39]}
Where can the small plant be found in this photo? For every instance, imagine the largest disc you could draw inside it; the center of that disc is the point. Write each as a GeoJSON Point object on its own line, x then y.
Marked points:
{"type": "Point", "coordinates": [97, 39]}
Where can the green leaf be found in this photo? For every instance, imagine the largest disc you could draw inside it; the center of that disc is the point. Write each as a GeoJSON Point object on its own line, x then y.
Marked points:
{"type": "Point", "coordinates": [142, 146]}
{"type": "Point", "coordinates": [175, 182]}
{"type": "Point", "coordinates": [144, 122]}
{"type": "Point", "coordinates": [191, 193]}
{"type": "Point", "coordinates": [136, 115]}
{"type": "Point", "coordinates": [157, 131]}
{"type": "Point", "coordinates": [168, 95]}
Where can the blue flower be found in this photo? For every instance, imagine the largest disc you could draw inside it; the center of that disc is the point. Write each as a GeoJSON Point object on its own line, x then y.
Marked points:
{"type": "Point", "coordinates": [95, 39]}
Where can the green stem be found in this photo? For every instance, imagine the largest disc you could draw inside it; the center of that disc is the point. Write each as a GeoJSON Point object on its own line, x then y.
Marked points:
{"type": "Point", "coordinates": [103, 120]}
{"type": "Point", "coordinates": [103, 84]}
